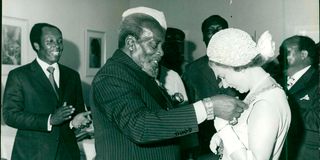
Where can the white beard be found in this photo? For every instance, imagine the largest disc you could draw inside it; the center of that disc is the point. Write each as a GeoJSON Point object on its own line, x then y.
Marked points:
{"type": "Point", "coordinates": [151, 68]}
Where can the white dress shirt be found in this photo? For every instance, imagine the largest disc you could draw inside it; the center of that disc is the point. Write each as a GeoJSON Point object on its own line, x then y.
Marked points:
{"type": "Point", "coordinates": [56, 75]}
{"type": "Point", "coordinates": [295, 77]}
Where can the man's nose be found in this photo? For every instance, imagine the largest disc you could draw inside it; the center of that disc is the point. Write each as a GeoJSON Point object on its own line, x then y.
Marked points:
{"type": "Point", "coordinates": [56, 45]}
{"type": "Point", "coordinates": [160, 52]}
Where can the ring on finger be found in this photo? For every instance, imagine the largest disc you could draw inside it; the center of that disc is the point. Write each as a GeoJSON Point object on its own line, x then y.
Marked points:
{"type": "Point", "coordinates": [233, 121]}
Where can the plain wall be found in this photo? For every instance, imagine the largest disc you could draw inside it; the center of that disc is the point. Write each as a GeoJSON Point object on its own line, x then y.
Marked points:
{"type": "Point", "coordinates": [283, 18]}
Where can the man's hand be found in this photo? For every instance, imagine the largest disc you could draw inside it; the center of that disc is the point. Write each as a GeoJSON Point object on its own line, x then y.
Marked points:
{"type": "Point", "coordinates": [61, 114]}
{"type": "Point", "coordinates": [81, 120]}
{"type": "Point", "coordinates": [227, 107]}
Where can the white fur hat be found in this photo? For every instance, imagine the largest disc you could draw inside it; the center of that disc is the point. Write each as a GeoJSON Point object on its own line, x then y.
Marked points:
{"type": "Point", "coordinates": [158, 15]}
{"type": "Point", "coordinates": [231, 47]}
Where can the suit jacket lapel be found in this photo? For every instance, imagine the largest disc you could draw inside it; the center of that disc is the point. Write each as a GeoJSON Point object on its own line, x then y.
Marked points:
{"type": "Point", "coordinates": [62, 82]}
{"type": "Point", "coordinates": [155, 91]}
{"type": "Point", "coordinates": [146, 81]}
{"type": "Point", "coordinates": [305, 80]}
{"type": "Point", "coordinates": [41, 77]}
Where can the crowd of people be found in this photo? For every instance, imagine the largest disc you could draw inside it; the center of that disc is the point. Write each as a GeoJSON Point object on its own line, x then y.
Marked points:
{"type": "Point", "coordinates": [225, 105]}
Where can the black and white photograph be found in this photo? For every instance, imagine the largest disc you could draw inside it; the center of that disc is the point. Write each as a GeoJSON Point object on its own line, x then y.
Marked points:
{"type": "Point", "coordinates": [160, 80]}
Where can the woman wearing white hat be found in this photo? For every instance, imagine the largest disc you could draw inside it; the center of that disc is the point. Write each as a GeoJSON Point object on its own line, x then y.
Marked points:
{"type": "Point", "coordinates": [260, 131]}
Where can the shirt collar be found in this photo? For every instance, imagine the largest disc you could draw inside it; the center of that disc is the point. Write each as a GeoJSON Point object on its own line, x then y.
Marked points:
{"type": "Point", "coordinates": [295, 77]}
{"type": "Point", "coordinates": [45, 65]}
{"type": "Point", "coordinates": [299, 74]}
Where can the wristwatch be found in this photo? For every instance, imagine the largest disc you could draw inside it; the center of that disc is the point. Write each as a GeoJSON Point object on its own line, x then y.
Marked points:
{"type": "Point", "coordinates": [208, 104]}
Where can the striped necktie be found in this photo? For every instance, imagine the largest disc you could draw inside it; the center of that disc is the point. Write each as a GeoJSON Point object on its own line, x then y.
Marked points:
{"type": "Point", "coordinates": [52, 81]}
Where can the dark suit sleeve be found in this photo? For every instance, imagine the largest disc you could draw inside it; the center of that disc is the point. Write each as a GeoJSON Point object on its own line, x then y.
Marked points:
{"type": "Point", "coordinates": [14, 107]}
{"type": "Point", "coordinates": [136, 113]}
{"type": "Point", "coordinates": [79, 95]}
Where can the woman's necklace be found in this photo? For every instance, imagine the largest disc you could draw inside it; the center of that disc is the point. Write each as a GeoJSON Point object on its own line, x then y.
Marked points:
{"type": "Point", "coordinates": [257, 89]}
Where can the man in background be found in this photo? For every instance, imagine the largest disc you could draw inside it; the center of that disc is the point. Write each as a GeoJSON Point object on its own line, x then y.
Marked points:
{"type": "Point", "coordinates": [200, 82]}
{"type": "Point", "coordinates": [171, 65]}
{"type": "Point", "coordinates": [134, 117]}
{"type": "Point", "coordinates": [43, 100]}
{"type": "Point", "coordinates": [299, 62]}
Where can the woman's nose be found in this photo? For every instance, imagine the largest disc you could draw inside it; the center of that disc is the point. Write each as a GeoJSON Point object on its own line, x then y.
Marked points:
{"type": "Point", "coordinates": [223, 84]}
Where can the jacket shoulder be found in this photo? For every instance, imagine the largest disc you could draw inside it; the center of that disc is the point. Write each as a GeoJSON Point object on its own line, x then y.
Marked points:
{"type": "Point", "coordinates": [21, 69]}
{"type": "Point", "coordinates": [66, 69]}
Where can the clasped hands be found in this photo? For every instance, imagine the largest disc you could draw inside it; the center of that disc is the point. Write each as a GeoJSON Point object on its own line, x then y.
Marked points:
{"type": "Point", "coordinates": [223, 106]}
{"type": "Point", "coordinates": [64, 113]}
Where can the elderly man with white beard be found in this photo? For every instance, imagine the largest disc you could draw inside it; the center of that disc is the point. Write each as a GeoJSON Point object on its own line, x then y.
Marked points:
{"type": "Point", "coordinates": [133, 117]}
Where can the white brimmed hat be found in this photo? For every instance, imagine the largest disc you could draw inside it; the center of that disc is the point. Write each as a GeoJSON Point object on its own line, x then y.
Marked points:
{"type": "Point", "coordinates": [157, 15]}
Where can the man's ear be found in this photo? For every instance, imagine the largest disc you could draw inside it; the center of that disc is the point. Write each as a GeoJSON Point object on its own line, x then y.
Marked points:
{"type": "Point", "coordinates": [36, 46]}
{"type": "Point", "coordinates": [304, 54]}
{"type": "Point", "coordinates": [130, 43]}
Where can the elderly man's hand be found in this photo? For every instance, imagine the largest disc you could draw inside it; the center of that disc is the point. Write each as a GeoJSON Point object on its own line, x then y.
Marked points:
{"type": "Point", "coordinates": [81, 120]}
{"type": "Point", "coordinates": [227, 107]}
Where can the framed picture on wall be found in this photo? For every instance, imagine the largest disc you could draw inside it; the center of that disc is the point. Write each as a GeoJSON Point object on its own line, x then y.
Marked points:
{"type": "Point", "coordinates": [95, 48]}
{"type": "Point", "coordinates": [14, 45]}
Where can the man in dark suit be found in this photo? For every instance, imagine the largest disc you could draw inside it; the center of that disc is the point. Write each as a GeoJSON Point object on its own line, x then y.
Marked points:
{"type": "Point", "coordinates": [43, 100]}
{"type": "Point", "coordinates": [299, 61]}
{"type": "Point", "coordinates": [201, 82]}
{"type": "Point", "coordinates": [135, 118]}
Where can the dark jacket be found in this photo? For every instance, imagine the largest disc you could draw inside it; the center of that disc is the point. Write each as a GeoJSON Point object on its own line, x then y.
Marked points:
{"type": "Point", "coordinates": [132, 118]}
{"type": "Point", "coordinates": [28, 100]}
{"type": "Point", "coordinates": [304, 133]}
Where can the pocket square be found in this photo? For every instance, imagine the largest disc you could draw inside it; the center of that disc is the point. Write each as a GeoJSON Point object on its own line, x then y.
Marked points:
{"type": "Point", "coordinates": [306, 97]}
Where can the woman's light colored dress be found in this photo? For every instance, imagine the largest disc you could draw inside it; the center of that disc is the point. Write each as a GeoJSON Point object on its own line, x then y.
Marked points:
{"type": "Point", "coordinates": [277, 99]}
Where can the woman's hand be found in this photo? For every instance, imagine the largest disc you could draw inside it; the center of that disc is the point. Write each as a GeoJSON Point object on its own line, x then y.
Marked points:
{"type": "Point", "coordinates": [215, 143]}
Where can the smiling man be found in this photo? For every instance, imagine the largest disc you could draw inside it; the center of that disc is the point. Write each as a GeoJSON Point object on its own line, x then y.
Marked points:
{"type": "Point", "coordinates": [43, 100]}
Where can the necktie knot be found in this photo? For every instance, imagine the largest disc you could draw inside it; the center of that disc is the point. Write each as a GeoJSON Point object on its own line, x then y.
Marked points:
{"type": "Point", "coordinates": [50, 69]}
{"type": "Point", "coordinates": [290, 82]}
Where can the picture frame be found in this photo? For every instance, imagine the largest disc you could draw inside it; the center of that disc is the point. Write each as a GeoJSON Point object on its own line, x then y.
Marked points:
{"type": "Point", "coordinates": [95, 49]}
{"type": "Point", "coordinates": [14, 45]}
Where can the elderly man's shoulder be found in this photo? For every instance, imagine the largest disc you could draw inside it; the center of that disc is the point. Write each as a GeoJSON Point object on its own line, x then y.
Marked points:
{"type": "Point", "coordinates": [112, 69]}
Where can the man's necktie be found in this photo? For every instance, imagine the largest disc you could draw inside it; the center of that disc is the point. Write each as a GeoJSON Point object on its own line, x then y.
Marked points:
{"type": "Point", "coordinates": [290, 82]}
{"type": "Point", "coordinates": [52, 81]}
